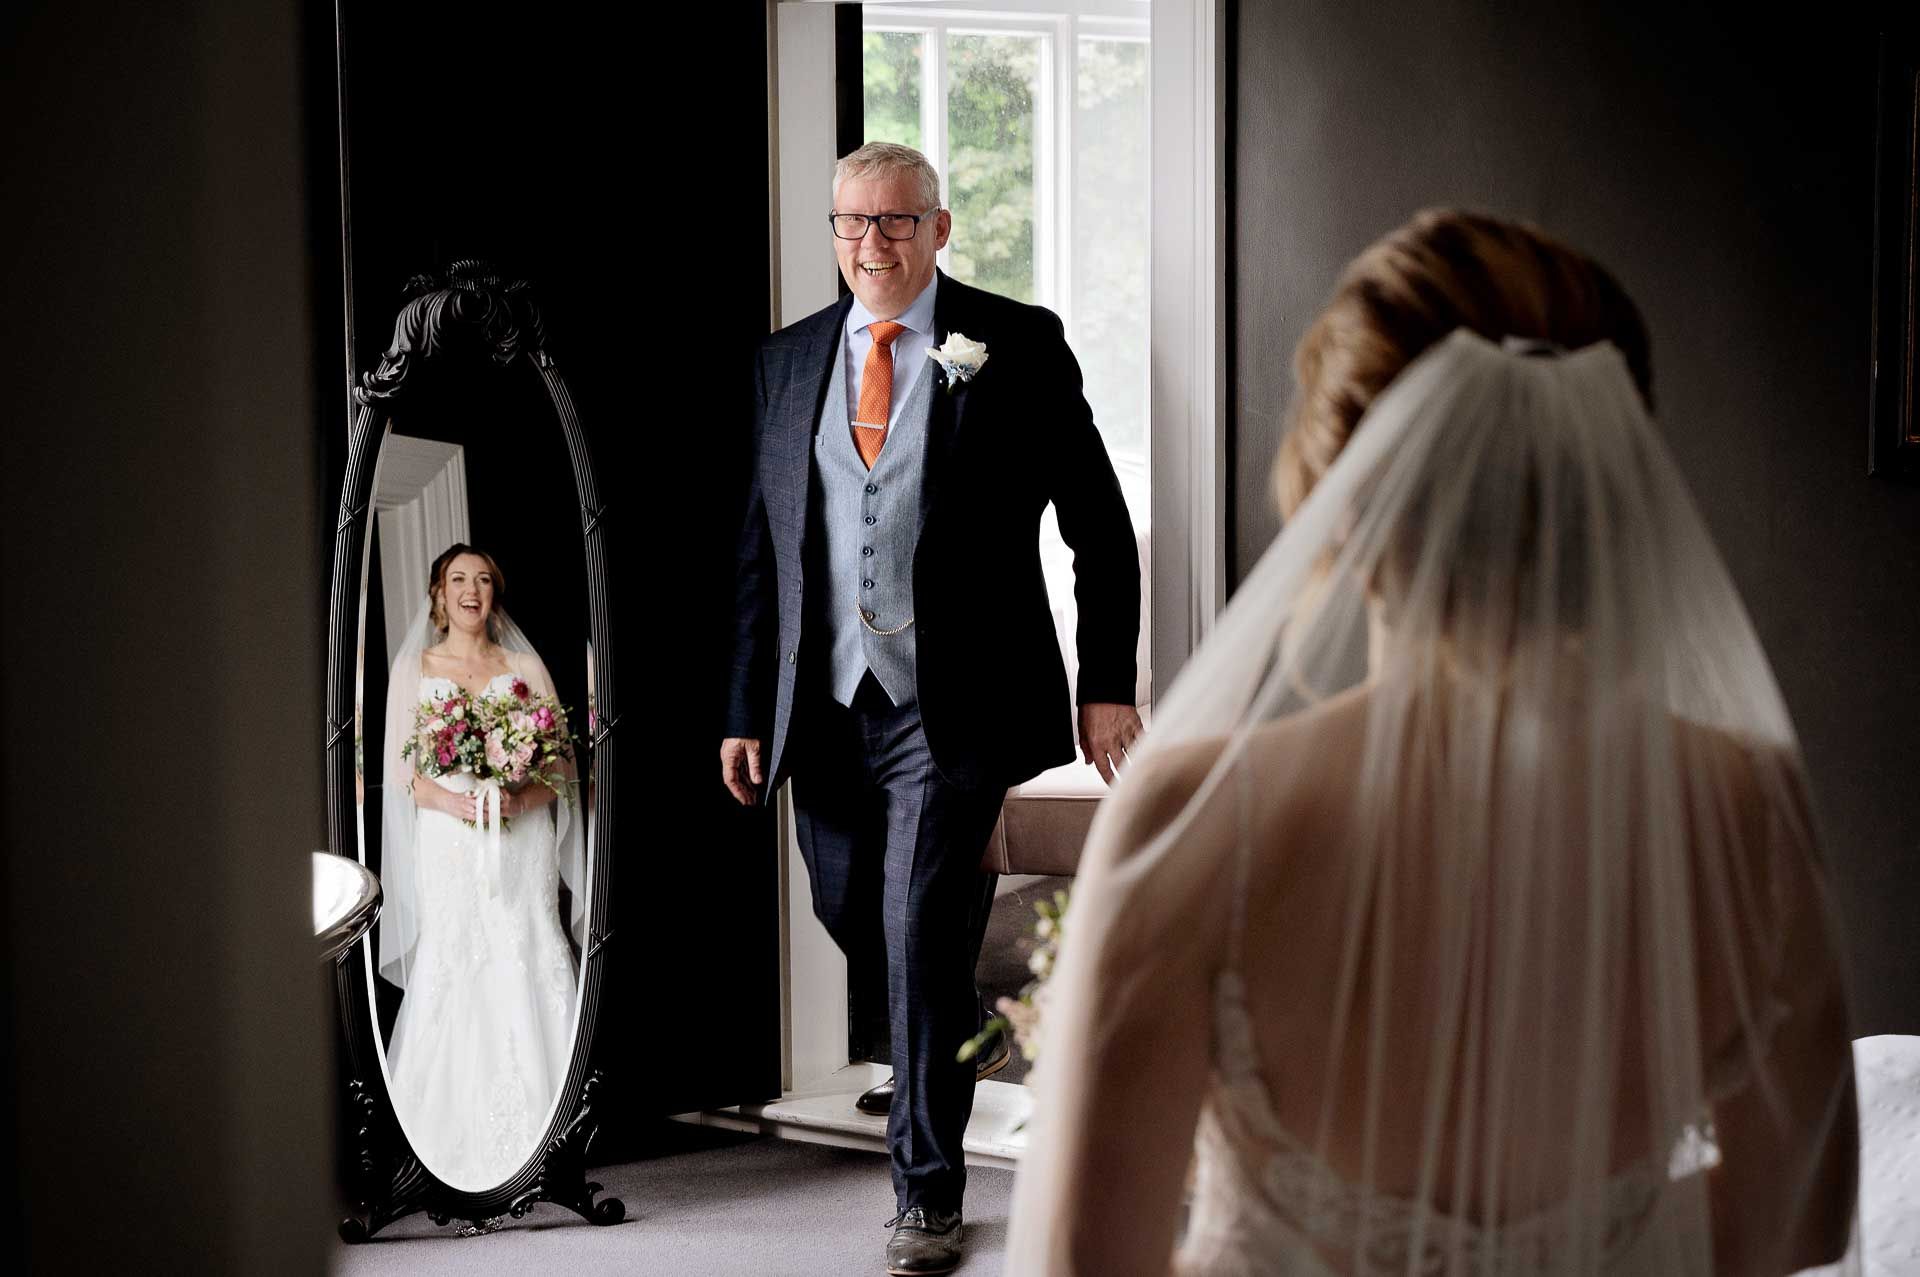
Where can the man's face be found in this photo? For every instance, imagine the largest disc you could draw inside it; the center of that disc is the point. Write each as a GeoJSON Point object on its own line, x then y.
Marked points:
{"type": "Point", "coordinates": [887, 274]}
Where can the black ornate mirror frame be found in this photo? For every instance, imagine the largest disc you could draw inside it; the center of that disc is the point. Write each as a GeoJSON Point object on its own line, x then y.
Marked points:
{"type": "Point", "coordinates": [470, 307]}
{"type": "Point", "coordinates": [1893, 434]}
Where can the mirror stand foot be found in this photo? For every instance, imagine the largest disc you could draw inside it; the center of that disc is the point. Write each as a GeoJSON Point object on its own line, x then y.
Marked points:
{"type": "Point", "coordinates": [364, 1218]}
{"type": "Point", "coordinates": [563, 1170]}
{"type": "Point", "coordinates": [406, 1187]}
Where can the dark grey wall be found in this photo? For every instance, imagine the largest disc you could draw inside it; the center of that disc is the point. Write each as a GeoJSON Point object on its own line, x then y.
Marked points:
{"type": "Point", "coordinates": [1725, 174]}
{"type": "Point", "coordinates": [167, 1039]}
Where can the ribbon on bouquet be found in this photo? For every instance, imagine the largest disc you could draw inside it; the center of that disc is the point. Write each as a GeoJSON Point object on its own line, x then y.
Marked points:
{"type": "Point", "coordinates": [487, 808]}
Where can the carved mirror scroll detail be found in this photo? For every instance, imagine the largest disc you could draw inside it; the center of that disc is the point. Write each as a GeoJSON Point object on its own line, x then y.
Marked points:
{"type": "Point", "coordinates": [468, 650]}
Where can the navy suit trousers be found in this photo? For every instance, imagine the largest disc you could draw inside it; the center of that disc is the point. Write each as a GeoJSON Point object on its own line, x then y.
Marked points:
{"type": "Point", "coordinates": [893, 853]}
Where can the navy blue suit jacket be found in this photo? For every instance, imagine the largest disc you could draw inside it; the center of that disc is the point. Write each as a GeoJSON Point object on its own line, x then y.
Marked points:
{"type": "Point", "coordinates": [991, 686]}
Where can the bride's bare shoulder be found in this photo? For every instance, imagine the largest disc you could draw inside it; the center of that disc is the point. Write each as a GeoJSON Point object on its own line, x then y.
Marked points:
{"type": "Point", "coordinates": [1315, 748]}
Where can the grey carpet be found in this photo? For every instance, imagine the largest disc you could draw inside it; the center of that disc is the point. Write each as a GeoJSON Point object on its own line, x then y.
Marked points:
{"type": "Point", "coordinates": [709, 1204]}
{"type": "Point", "coordinates": [716, 1204]}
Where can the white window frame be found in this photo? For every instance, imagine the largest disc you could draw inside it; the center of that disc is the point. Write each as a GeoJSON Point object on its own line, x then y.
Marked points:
{"type": "Point", "coordinates": [1188, 421]}
{"type": "Point", "coordinates": [1052, 126]}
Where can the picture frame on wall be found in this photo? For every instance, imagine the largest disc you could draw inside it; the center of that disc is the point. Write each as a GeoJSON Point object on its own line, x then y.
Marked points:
{"type": "Point", "coordinates": [1893, 429]}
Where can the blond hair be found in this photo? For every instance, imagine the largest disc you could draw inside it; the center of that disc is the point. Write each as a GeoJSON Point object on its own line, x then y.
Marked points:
{"type": "Point", "coordinates": [1443, 270]}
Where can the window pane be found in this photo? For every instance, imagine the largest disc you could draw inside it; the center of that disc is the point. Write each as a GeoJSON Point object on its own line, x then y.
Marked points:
{"type": "Point", "coordinates": [1110, 238]}
{"type": "Point", "coordinates": [992, 83]}
{"type": "Point", "coordinates": [890, 70]}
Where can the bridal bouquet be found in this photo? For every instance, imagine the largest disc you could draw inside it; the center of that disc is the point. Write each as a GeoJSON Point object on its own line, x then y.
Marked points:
{"type": "Point", "coordinates": [1023, 1014]}
{"type": "Point", "coordinates": [507, 739]}
{"type": "Point", "coordinates": [446, 737]}
{"type": "Point", "coordinates": [525, 738]}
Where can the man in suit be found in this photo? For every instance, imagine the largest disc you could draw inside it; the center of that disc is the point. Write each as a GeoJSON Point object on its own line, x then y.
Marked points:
{"type": "Point", "coordinates": [893, 648]}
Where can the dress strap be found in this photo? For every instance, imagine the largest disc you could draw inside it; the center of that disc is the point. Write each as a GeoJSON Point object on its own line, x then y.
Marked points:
{"type": "Point", "coordinates": [1242, 864]}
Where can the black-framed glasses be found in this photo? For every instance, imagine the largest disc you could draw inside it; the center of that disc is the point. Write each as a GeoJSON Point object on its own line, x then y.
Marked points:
{"type": "Point", "coordinates": [892, 225]}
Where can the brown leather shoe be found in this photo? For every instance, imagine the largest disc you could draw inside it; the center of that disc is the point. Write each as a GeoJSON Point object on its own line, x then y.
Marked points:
{"type": "Point", "coordinates": [878, 1099]}
{"type": "Point", "coordinates": [924, 1241]}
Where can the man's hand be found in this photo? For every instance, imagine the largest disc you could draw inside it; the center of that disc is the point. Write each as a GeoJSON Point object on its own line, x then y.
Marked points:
{"type": "Point", "coordinates": [1105, 733]}
{"type": "Point", "coordinates": [739, 763]}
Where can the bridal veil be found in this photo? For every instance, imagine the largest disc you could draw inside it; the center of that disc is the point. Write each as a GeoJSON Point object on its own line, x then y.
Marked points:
{"type": "Point", "coordinates": [1575, 921]}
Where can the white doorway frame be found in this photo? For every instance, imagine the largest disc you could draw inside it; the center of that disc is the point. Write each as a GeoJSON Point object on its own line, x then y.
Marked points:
{"type": "Point", "coordinates": [1187, 431]}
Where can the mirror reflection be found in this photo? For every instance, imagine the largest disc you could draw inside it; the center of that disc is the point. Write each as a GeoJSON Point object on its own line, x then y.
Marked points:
{"type": "Point", "coordinates": [473, 717]}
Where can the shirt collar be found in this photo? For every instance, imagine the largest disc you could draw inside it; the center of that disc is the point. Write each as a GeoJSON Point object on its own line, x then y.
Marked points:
{"type": "Point", "coordinates": [918, 317]}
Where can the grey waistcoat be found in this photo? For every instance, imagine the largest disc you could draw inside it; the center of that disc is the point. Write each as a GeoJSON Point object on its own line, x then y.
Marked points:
{"type": "Point", "coordinates": [871, 521]}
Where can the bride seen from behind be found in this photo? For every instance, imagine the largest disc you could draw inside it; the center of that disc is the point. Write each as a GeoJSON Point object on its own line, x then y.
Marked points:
{"type": "Point", "coordinates": [1462, 911]}
{"type": "Point", "coordinates": [471, 929]}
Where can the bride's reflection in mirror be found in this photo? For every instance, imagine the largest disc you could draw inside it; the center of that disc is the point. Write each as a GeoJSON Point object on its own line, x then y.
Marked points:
{"type": "Point", "coordinates": [473, 716]}
{"type": "Point", "coordinates": [480, 821]}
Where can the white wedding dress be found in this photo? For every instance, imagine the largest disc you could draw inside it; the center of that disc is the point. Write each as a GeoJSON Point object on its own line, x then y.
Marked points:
{"type": "Point", "coordinates": [485, 1031]}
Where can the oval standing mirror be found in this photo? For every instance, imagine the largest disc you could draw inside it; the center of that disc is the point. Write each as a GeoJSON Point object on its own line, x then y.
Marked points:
{"type": "Point", "coordinates": [469, 585]}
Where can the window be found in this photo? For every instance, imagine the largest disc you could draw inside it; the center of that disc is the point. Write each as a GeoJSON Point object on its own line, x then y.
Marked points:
{"type": "Point", "coordinates": [1036, 118]}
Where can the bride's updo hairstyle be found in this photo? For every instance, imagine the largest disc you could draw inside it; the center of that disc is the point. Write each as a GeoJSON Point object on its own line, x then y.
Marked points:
{"type": "Point", "coordinates": [1443, 270]}
{"type": "Point", "coordinates": [437, 587]}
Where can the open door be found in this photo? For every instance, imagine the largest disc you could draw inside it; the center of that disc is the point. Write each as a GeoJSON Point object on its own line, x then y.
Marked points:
{"type": "Point", "coordinates": [1038, 124]}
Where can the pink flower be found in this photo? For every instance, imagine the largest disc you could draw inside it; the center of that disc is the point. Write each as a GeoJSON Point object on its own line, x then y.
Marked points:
{"type": "Point", "coordinates": [450, 704]}
{"type": "Point", "coordinates": [445, 756]}
{"type": "Point", "coordinates": [523, 755]}
{"type": "Point", "coordinates": [542, 719]}
{"type": "Point", "coordinates": [520, 689]}
{"type": "Point", "coordinates": [521, 720]}
{"type": "Point", "coordinates": [497, 749]}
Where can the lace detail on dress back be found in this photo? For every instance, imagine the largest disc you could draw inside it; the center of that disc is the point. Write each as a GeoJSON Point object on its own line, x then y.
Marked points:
{"type": "Point", "coordinates": [1293, 1215]}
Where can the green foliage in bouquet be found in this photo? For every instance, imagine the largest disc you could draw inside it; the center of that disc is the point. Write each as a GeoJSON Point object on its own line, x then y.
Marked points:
{"type": "Point", "coordinates": [1022, 1014]}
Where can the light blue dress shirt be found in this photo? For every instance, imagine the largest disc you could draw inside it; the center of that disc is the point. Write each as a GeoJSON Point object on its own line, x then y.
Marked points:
{"type": "Point", "coordinates": [909, 349]}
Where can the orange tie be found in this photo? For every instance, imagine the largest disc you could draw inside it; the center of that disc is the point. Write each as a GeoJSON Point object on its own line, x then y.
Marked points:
{"type": "Point", "coordinates": [876, 392]}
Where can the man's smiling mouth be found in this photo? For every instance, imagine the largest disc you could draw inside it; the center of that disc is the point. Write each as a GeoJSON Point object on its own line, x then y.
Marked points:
{"type": "Point", "coordinates": [878, 268]}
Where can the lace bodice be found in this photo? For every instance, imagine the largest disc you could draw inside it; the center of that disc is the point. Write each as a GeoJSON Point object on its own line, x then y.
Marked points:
{"type": "Point", "coordinates": [440, 684]}
{"type": "Point", "coordinates": [1289, 1214]}
{"type": "Point", "coordinates": [1292, 1212]}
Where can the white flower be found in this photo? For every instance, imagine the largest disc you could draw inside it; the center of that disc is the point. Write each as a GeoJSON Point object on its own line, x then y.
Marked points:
{"type": "Point", "coordinates": [961, 356]}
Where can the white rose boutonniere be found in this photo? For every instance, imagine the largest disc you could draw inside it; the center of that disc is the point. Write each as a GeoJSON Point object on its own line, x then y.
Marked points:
{"type": "Point", "coordinates": [961, 357]}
